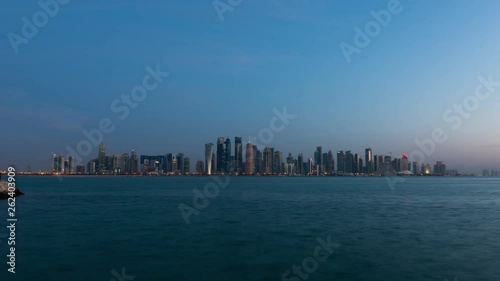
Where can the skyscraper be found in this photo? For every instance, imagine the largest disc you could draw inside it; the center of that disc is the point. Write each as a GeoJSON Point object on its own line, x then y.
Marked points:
{"type": "Point", "coordinates": [156, 164]}
{"type": "Point", "coordinates": [125, 161]}
{"type": "Point", "coordinates": [180, 162]}
{"type": "Point", "coordinates": [331, 163]}
{"type": "Point", "coordinates": [324, 164]}
{"type": "Point", "coordinates": [108, 166]}
{"type": "Point", "coordinates": [200, 168]}
{"type": "Point", "coordinates": [316, 165]}
{"type": "Point", "coordinates": [186, 168]}
{"type": "Point", "coordinates": [209, 152]}
{"type": "Point", "coordinates": [440, 168]}
{"type": "Point", "coordinates": [117, 164]}
{"type": "Point", "coordinates": [387, 159]}
{"type": "Point", "coordinates": [221, 163]}
{"type": "Point", "coordinates": [249, 161]}
{"type": "Point", "coordinates": [80, 169]}
{"type": "Point", "coordinates": [404, 162]}
{"type": "Point", "coordinates": [415, 167]}
{"type": "Point", "coordinates": [60, 164]}
{"type": "Point", "coordinates": [426, 169]}
{"type": "Point", "coordinates": [258, 161]}
{"type": "Point", "coordinates": [238, 154]}
{"type": "Point", "coordinates": [213, 163]}
{"type": "Point", "coordinates": [267, 160]}
{"type": "Point", "coordinates": [55, 163]}
{"type": "Point", "coordinates": [66, 167]}
{"type": "Point", "coordinates": [254, 158]}
{"type": "Point", "coordinates": [227, 156]}
{"type": "Point", "coordinates": [357, 169]}
{"type": "Point", "coordinates": [380, 159]}
{"type": "Point", "coordinates": [340, 162]}
{"type": "Point", "coordinates": [310, 166]}
{"type": "Point", "coordinates": [169, 168]}
{"type": "Point", "coordinates": [300, 164]}
{"type": "Point", "coordinates": [396, 164]}
{"type": "Point", "coordinates": [319, 159]}
{"type": "Point", "coordinates": [134, 163]}
{"type": "Point", "coordinates": [91, 167]}
{"type": "Point", "coordinates": [349, 162]}
{"type": "Point", "coordinates": [278, 162]}
{"type": "Point", "coordinates": [71, 165]}
{"type": "Point", "coordinates": [369, 161]}
{"type": "Point", "coordinates": [175, 165]}
{"type": "Point", "coordinates": [101, 158]}
{"type": "Point", "coordinates": [289, 165]}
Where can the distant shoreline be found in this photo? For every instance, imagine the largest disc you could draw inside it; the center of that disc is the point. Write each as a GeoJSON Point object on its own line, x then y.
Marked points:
{"type": "Point", "coordinates": [232, 175]}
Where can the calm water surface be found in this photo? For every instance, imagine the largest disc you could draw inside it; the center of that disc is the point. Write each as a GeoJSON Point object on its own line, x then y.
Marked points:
{"type": "Point", "coordinates": [255, 229]}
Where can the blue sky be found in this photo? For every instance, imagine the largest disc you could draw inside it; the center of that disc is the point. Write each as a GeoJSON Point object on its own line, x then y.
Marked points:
{"type": "Point", "coordinates": [226, 77]}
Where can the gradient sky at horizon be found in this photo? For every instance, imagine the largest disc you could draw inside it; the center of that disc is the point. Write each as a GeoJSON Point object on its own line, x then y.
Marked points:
{"type": "Point", "coordinates": [226, 77]}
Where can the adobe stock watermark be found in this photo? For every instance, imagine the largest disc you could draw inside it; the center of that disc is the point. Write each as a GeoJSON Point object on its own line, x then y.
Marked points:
{"type": "Point", "coordinates": [40, 19]}
{"type": "Point", "coordinates": [310, 264]}
{"type": "Point", "coordinates": [363, 37]}
{"type": "Point", "coordinates": [121, 277]}
{"type": "Point", "coordinates": [454, 116]}
{"type": "Point", "coordinates": [223, 6]}
{"type": "Point", "coordinates": [277, 124]}
{"type": "Point", "coordinates": [201, 198]}
{"type": "Point", "coordinates": [121, 107]}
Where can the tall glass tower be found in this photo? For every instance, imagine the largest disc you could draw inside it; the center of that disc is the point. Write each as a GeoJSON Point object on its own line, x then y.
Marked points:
{"type": "Point", "coordinates": [249, 161]}
{"type": "Point", "coordinates": [227, 156]}
{"type": "Point", "coordinates": [349, 162]}
{"type": "Point", "coordinates": [300, 164]}
{"type": "Point", "coordinates": [55, 163]}
{"type": "Point", "coordinates": [267, 160]}
{"type": "Point", "coordinates": [319, 159]}
{"type": "Point", "coordinates": [369, 161]}
{"type": "Point", "coordinates": [238, 154]}
{"type": "Point", "coordinates": [340, 162]}
{"type": "Point", "coordinates": [220, 155]}
{"type": "Point", "coordinates": [102, 158]}
{"type": "Point", "coordinates": [209, 153]}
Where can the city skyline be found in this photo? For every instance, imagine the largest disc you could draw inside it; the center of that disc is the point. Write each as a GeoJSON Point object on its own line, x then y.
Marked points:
{"type": "Point", "coordinates": [211, 76]}
{"type": "Point", "coordinates": [221, 152]}
{"type": "Point", "coordinates": [256, 161]}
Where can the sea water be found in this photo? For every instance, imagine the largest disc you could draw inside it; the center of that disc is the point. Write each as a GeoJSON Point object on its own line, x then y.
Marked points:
{"type": "Point", "coordinates": [254, 228]}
